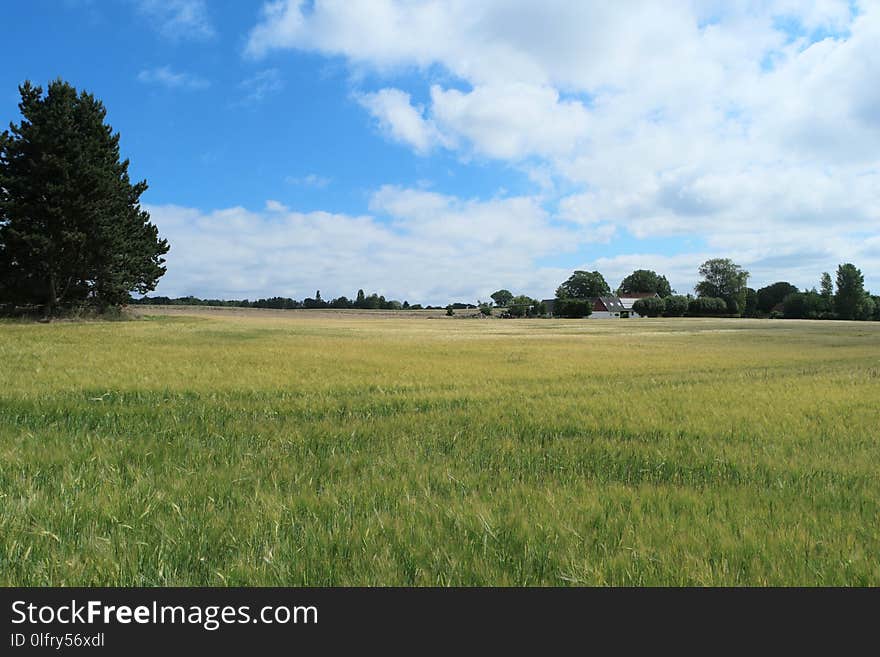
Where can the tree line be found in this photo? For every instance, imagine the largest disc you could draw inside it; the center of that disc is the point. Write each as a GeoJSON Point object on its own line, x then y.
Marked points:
{"type": "Point", "coordinates": [361, 301]}
{"type": "Point", "coordinates": [722, 291]}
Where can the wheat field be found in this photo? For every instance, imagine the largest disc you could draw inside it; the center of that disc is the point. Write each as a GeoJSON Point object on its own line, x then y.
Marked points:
{"type": "Point", "coordinates": [288, 448]}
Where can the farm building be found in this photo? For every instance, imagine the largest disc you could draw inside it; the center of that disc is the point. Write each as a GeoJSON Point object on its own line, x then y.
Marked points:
{"type": "Point", "coordinates": [610, 307]}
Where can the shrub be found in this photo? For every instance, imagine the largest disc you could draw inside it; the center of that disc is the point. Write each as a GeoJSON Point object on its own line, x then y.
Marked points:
{"type": "Point", "coordinates": [649, 307]}
{"type": "Point", "coordinates": [450, 311]}
{"type": "Point", "coordinates": [707, 306]}
{"type": "Point", "coordinates": [675, 306]}
{"type": "Point", "coordinates": [573, 308]}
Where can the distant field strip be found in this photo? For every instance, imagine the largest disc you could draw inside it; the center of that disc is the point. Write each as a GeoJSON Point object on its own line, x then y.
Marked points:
{"type": "Point", "coordinates": [218, 448]}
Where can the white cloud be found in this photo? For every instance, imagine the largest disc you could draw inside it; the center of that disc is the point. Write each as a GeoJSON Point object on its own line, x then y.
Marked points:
{"type": "Point", "coordinates": [167, 77]}
{"type": "Point", "coordinates": [400, 120]}
{"type": "Point", "coordinates": [751, 129]}
{"type": "Point", "coordinates": [178, 19]}
{"type": "Point", "coordinates": [417, 245]}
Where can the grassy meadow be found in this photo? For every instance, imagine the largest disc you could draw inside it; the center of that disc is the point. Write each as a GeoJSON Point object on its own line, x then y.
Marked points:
{"type": "Point", "coordinates": [295, 449]}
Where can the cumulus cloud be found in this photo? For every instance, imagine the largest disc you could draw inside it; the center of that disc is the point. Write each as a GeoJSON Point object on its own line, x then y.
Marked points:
{"type": "Point", "coordinates": [416, 245]}
{"type": "Point", "coordinates": [400, 120]}
{"type": "Point", "coordinates": [732, 129]}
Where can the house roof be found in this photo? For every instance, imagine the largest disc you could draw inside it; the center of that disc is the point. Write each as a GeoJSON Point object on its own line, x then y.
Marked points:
{"type": "Point", "coordinates": [611, 304]}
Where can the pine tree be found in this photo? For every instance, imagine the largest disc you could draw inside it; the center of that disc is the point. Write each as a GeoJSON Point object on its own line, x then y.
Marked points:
{"type": "Point", "coordinates": [71, 226]}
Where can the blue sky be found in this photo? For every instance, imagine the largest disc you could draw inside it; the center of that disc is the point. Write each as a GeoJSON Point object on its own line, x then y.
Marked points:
{"type": "Point", "coordinates": [439, 151]}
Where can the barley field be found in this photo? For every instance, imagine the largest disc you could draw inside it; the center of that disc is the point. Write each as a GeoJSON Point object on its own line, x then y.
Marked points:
{"type": "Point", "coordinates": [288, 448]}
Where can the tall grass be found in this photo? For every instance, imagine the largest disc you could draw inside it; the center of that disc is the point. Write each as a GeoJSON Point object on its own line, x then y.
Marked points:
{"type": "Point", "coordinates": [278, 451]}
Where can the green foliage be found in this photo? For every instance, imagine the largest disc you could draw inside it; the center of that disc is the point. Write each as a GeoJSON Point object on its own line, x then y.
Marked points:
{"type": "Point", "coordinates": [751, 309]}
{"type": "Point", "coordinates": [572, 308]}
{"type": "Point", "coordinates": [650, 307]}
{"type": "Point", "coordinates": [707, 307]}
{"type": "Point", "coordinates": [450, 311]}
{"type": "Point", "coordinates": [772, 295]}
{"type": "Point", "coordinates": [644, 280]}
{"type": "Point", "coordinates": [675, 305]}
{"type": "Point", "coordinates": [804, 305]}
{"type": "Point", "coordinates": [502, 297]}
{"type": "Point", "coordinates": [583, 285]}
{"type": "Point", "coordinates": [522, 306]}
{"type": "Point", "coordinates": [850, 292]}
{"type": "Point", "coordinates": [724, 279]}
{"type": "Point", "coordinates": [71, 227]}
{"type": "Point", "coordinates": [485, 309]}
{"type": "Point", "coordinates": [826, 287]}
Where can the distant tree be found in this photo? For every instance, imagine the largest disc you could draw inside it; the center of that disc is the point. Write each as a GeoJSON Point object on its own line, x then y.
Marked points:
{"type": "Point", "coordinates": [649, 307]}
{"type": "Point", "coordinates": [485, 309]}
{"type": "Point", "coordinates": [450, 311]}
{"type": "Point", "coordinates": [826, 287]}
{"type": "Point", "coordinates": [703, 306]}
{"type": "Point", "coordinates": [521, 306]}
{"type": "Point", "coordinates": [772, 295]}
{"type": "Point", "coordinates": [359, 302]}
{"type": "Point", "coordinates": [724, 279]}
{"type": "Point", "coordinates": [850, 291]}
{"type": "Point", "coordinates": [405, 305]}
{"type": "Point", "coordinates": [803, 305]}
{"type": "Point", "coordinates": [867, 308]}
{"type": "Point", "coordinates": [645, 280]}
{"type": "Point", "coordinates": [583, 285]}
{"type": "Point", "coordinates": [572, 308]}
{"type": "Point", "coordinates": [502, 297]}
{"type": "Point", "coordinates": [751, 309]}
{"type": "Point", "coordinates": [71, 225]}
{"type": "Point", "coordinates": [675, 305]}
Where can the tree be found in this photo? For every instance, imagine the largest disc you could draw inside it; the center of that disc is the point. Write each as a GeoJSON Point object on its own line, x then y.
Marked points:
{"type": "Point", "coordinates": [572, 308]}
{"type": "Point", "coordinates": [850, 291]}
{"type": "Point", "coordinates": [803, 305]}
{"type": "Point", "coordinates": [645, 280]}
{"type": "Point", "coordinates": [649, 307]}
{"type": "Point", "coordinates": [359, 302]}
{"type": "Point", "coordinates": [71, 226]}
{"type": "Point", "coordinates": [707, 306]}
{"type": "Point", "coordinates": [583, 285]}
{"type": "Point", "coordinates": [826, 286]}
{"type": "Point", "coordinates": [772, 295]}
{"type": "Point", "coordinates": [751, 309]}
{"type": "Point", "coordinates": [724, 279]}
{"type": "Point", "coordinates": [522, 306]}
{"type": "Point", "coordinates": [675, 305]}
{"type": "Point", "coordinates": [502, 297]}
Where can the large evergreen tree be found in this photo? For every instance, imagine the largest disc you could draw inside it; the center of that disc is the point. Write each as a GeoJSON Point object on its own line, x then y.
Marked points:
{"type": "Point", "coordinates": [71, 226]}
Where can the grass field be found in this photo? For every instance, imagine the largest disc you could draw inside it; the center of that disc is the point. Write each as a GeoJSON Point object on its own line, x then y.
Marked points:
{"type": "Point", "coordinates": [289, 449]}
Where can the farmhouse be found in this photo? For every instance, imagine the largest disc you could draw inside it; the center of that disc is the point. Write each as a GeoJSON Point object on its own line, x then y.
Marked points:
{"type": "Point", "coordinates": [610, 307]}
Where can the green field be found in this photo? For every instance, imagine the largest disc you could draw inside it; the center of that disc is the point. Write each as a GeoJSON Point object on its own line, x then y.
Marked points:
{"type": "Point", "coordinates": [297, 449]}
